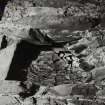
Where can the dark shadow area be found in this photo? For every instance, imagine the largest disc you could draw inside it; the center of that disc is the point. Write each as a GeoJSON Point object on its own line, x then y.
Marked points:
{"type": "Point", "coordinates": [4, 43]}
{"type": "Point", "coordinates": [3, 3]}
{"type": "Point", "coordinates": [23, 56]}
{"type": "Point", "coordinates": [78, 49]}
{"type": "Point", "coordinates": [29, 92]}
{"type": "Point", "coordinates": [85, 65]}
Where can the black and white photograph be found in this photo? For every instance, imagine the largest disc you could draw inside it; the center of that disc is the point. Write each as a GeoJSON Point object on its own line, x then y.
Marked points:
{"type": "Point", "coordinates": [52, 52]}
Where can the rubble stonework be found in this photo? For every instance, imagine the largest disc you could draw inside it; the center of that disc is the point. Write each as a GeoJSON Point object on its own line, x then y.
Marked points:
{"type": "Point", "coordinates": [64, 42]}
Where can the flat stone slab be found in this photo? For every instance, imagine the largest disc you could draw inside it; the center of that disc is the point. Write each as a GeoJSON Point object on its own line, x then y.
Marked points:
{"type": "Point", "coordinates": [10, 87]}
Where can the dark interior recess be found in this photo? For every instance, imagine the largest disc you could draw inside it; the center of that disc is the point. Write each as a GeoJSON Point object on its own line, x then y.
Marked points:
{"type": "Point", "coordinates": [23, 56]}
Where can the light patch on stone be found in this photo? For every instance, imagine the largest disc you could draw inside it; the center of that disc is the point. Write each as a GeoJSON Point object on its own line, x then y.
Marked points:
{"type": "Point", "coordinates": [6, 56]}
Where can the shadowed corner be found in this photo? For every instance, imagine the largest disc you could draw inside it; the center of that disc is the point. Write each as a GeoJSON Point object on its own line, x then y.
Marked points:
{"type": "Point", "coordinates": [27, 52]}
{"type": "Point", "coordinates": [3, 3]}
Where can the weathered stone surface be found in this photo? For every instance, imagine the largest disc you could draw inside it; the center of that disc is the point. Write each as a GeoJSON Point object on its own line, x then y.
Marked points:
{"type": "Point", "coordinates": [99, 74]}
{"type": "Point", "coordinates": [23, 32]}
{"type": "Point", "coordinates": [10, 87]}
{"type": "Point", "coordinates": [44, 71]}
{"type": "Point", "coordinates": [69, 92]}
{"type": "Point", "coordinates": [47, 17]}
{"type": "Point", "coordinates": [20, 16]}
{"type": "Point", "coordinates": [56, 19]}
{"type": "Point", "coordinates": [6, 56]}
{"type": "Point", "coordinates": [62, 90]}
{"type": "Point", "coordinates": [8, 100]}
{"type": "Point", "coordinates": [86, 90]}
